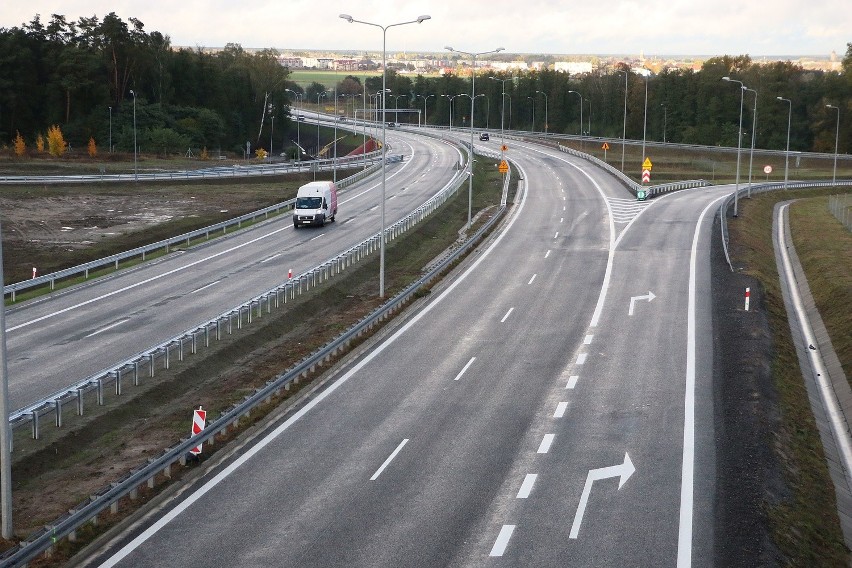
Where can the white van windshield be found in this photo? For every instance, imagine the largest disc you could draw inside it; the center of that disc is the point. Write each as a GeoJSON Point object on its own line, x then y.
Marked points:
{"type": "Point", "coordinates": [308, 202]}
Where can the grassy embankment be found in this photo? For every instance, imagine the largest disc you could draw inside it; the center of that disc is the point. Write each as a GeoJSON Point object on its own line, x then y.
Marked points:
{"type": "Point", "coordinates": [61, 470]}
{"type": "Point", "coordinates": [806, 526]}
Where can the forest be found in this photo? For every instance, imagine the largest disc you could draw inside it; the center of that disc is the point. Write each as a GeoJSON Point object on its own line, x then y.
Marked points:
{"type": "Point", "coordinates": [89, 77]}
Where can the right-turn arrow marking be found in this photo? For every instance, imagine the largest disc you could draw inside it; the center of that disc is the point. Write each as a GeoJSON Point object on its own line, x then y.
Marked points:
{"type": "Point", "coordinates": [623, 470]}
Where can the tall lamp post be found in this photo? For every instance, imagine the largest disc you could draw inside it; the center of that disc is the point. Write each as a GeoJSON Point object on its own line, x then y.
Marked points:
{"type": "Point", "coordinates": [384, 29]}
{"type": "Point", "coordinates": [5, 428]}
{"type": "Point", "coordinates": [473, 56]}
{"type": "Point", "coordinates": [450, 117]}
{"type": "Point", "coordinates": [545, 109]}
{"type": "Point", "coordinates": [787, 153]}
{"type": "Point", "coordinates": [739, 139]}
{"type": "Point", "coordinates": [624, 123]}
{"type": "Point", "coordinates": [110, 130]}
{"type": "Point", "coordinates": [581, 110]}
{"type": "Point", "coordinates": [298, 136]}
{"type": "Point", "coordinates": [589, 129]}
{"type": "Point", "coordinates": [836, 141]}
{"type": "Point", "coordinates": [135, 169]}
{"type": "Point", "coordinates": [532, 127]}
{"type": "Point", "coordinates": [665, 120]}
{"type": "Point", "coordinates": [645, 121]}
{"type": "Point", "coordinates": [396, 106]}
{"type": "Point", "coordinates": [753, 134]}
{"type": "Point", "coordinates": [426, 98]}
{"type": "Point", "coordinates": [319, 96]}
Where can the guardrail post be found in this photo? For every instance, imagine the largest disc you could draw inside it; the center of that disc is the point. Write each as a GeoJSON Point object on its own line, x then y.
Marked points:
{"type": "Point", "coordinates": [36, 432]}
{"type": "Point", "coordinates": [57, 405]}
{"type": "Point", "coordinates": [151, 359]}
{"type": "Point", "coordinates": [113, 508]}
{"type": "Point", "coordinates": [180, 349]}
{"type": "Point", "coordinates": [100, 391]}
{"type": "Point", "coordinates": [249, 312]}
{"type": "Point", "coordinates": [136, 373]}
{"type": "Point", "coordinates": [80, 402]}
{"type": "Point", "coordinates": [240, 317]}
{"type": "Point", "coordinates": [87, 274]}
{"type": "Point", "coordinates": [118, 382]}
{"type": "Point", "coordinates": [116, 264]}
{"type": "Point", "coordinates": [166, 354]}
{"type": "Point", "coordinates": [194, 348]}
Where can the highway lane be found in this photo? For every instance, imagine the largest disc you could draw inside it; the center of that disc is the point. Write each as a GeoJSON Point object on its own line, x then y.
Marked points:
{"type": "Point", "coordinates": [57, 340]}
{"type": "Point", "coordinates": [493, 427]}
{"type": "Point", "coordinates": [421, 507]}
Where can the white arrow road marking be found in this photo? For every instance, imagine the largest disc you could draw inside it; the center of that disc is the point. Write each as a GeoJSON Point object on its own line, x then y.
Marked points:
{"type": "Point", "coordinates": [502, 540]}
{"type": "Point", "coordinates": [650, 296]}
{"type": "Point", "coordinates": [623, 470]}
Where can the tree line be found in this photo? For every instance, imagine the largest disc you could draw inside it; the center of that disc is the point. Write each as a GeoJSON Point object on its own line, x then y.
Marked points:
{"type": "Point", "coordinates": [85, 76]}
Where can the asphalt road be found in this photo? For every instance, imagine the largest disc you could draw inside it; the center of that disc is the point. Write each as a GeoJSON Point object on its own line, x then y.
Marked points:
{"type": "Point", "coordinates": [543, 409]}
{"type": "Point", "coordinates": [61, 339]}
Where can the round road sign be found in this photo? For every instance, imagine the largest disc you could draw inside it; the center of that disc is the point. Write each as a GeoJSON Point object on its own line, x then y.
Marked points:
{"type": "Point", "coordinates": [767, 169]}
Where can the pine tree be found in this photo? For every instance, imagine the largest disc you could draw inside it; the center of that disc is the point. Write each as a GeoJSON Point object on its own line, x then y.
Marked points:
{"type": "Point", "coordinates": [40, 143]}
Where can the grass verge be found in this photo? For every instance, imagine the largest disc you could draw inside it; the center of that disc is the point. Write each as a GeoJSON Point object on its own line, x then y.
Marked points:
{"type": "Point", "coordinates": [805, 524]}
{"type": "Point", "coordinates": [62, 470]}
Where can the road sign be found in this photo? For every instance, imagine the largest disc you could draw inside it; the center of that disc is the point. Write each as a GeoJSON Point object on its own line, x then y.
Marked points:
{"type": "Point", "coordinates": [199, 420]}
{"type": "Point", "coordinates": [504, 167]}
{"type": "Point", "coordinates": [504, 147]}
{"type": "Point", "coordinates": [646, 176]}
{"type": "Point", "coordinates": [647, 165]}
{"type": "Point", "coordinates": [767, 169]}
{"type": "Point", "coordinates": [605, 146]}
{"type": "Point", "coordinates": [640, 195]}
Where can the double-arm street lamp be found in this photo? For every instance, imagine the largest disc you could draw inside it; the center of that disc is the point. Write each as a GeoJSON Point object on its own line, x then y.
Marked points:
{"type": "Point", "coordinates": [545, 109]}
{"type": "Point", "coordinates": [739, 139]}
{"type": "Point", "coordinates": [787, 153]}
{"type": "Point", "coordinates": [581, 110]}
{"type": "Point", "coordinates": [425, 98]}
{"type": "Point", "coordinates": [473, 56]}
{"type": "Point", "coordinates": [624, 123]}
{"type": "Point", "coordinates": [450, 97]}
{"type": "Point", "coordinates": [384, 29]}
{"type": "Point", "coordinates": [836, 141]}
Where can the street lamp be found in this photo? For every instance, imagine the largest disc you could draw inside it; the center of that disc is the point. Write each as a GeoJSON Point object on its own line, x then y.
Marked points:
{"type": "Point", "coordinates": [739, 138]}
{"type": "Point", "coordinates": [110, 130]}
{"type": "Point", "coordinates": [384, 29]}
{"type": "Point", "coordinates": [787, 153]}
{"type": "Point", "coordinates": [135, 170]}
{"type": "Point", "coordinates": [645, 122]}
{"type": "Point", "coordinates": [532, 127]}
{"type": "Point", "coordinates": [396, 106]}
{"type": "Point", "coordinates": [426, 98]}
{"type": "Point", "coordinates": [473, 56]}
{"type": "Point", "coordinates": [316, 154]}
{"type": "Point", "coordinates": [545, 109]}
{"type": "Point", "coordinates": [5, 428]}
{"type": "Point", "coordinates": [665, 120]}
{"type": "Point", "coordinates": [624, 123]}
{"type": "Point", "coordinates": [836, 140]}
{"type": "Point", "coordinates": [589, 129]}
{"type": "Point", "coordinates": [753, 134]}
{"type": "Point", "coordinates": [450, 117]}
{"type": "Point", "coordinates": [298, 137]}
{"type": "Point", "coordinates": [271, 128]}
{"type": "Point", "coordinates": [581, 111]}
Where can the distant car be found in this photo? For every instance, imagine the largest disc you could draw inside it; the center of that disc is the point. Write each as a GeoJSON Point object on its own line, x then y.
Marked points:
{"type": "Point", "coordinates": [341, 118]}
{"type": "Point", "coordinates": [484, 136]}
{"type": "Point", "coordinates": [301, 117]}
{"type": "Point", "coordinates": [391, 124]}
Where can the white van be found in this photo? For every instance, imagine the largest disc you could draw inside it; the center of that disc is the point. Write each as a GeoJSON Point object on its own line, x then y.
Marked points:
{"type": "Point", "coordinates": [316, 203]}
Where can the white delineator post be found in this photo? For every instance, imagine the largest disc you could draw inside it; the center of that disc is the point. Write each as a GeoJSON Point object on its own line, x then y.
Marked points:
{"type": "Point", "coordinates": [199, 421]}
{"type": "Point", "coordinates": [34, 271]}
{"type": "Point", "coordinates": [290, 274]}
{"type": "Point", "coordinates": [747, 296]}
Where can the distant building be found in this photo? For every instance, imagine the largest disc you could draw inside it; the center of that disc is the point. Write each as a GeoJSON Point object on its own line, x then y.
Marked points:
{"type": "Point", "coordinates": [345, 64]}
{"type": "Point", "coordinates": [291, 62]}
{"type": "Point", "coordinates": [573, 67]}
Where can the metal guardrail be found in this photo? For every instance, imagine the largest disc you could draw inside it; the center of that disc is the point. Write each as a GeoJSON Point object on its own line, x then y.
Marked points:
{"type": "Point", "coordinates": [147, 359]}
{"type": "Point", "coordinates": [166, 244]}
{"type": "Point", "coordinates": [761, 188]}
{"type": "Point", "coordinates": [67, 526]}
{"type": "Point", "coordinates": [216, 172]}
{"type": "Point", "coordinates": [841, 207]}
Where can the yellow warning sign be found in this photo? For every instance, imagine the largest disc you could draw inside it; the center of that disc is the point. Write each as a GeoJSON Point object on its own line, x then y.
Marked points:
{"type": "Point", "coordinates": [605, 146]}
{"type": "Point", "coordinates": [647, 165]}
{"type": "Point", "coordinates": [504, 167]}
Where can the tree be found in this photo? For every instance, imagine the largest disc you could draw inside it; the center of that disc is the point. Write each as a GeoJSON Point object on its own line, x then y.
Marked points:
{"type": "Point", "coordinates": [40, 142]}
{"type": "Point", "coordinates": [20, 145]}
{"type": "Point", "coordinates": [56, 144]}
{"type": "Point", "coordinates": [92, 148]}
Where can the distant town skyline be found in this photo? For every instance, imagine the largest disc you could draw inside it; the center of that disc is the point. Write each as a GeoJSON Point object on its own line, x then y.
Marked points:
{"type": "Point", "coordinates": [652, 27]}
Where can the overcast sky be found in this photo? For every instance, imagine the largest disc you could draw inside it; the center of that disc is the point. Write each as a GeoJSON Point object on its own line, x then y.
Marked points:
{"type": "Point", "coordinates": [653, 27]}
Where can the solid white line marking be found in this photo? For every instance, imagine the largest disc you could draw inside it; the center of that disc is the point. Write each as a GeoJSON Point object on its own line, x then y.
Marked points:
{"type": "Point", "coordinates": [507, 315]}
{"type": "Point", "coordinates": [109, 327]}
{"type": "Point", "coordinates": [205, 286]}
{"type": "Point", "coordinates": [349, 220]}
{"type": "Point", "coordinates": [572, 381]}
{"type": "Point", "coordinates": [390, 459]}
{"type": "Point", "coordinates": [373, 208]}
{"type": "Point", "coordinates": [556, 236]}
{"type": "Point", "coordinates": [560, 410]}
{"type": "Point", "coordinates": [318, 236]}
{"type": "Point", "coordinates": [546, 254]}
{"type": "Point", "coordinates": [527, 485]}
{"type": "Point", "coordinates": [531, 279]}
{"type": "Point", "coordinates": [687, 475]}
{"type": "Point", "coordinates": [581, 358]}
{"type": "Point", "coordinates": [466, 367]}
{"type": "Point", "coordinates": [502, 540]}
{"type": "Point", "coordinates": [544, 447]}
{"type": "Point", "coordinates": [588, 340]}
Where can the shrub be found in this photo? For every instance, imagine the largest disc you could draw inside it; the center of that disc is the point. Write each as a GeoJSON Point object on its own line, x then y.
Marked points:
{"type": "Point", "coordinates": [56, 144]}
